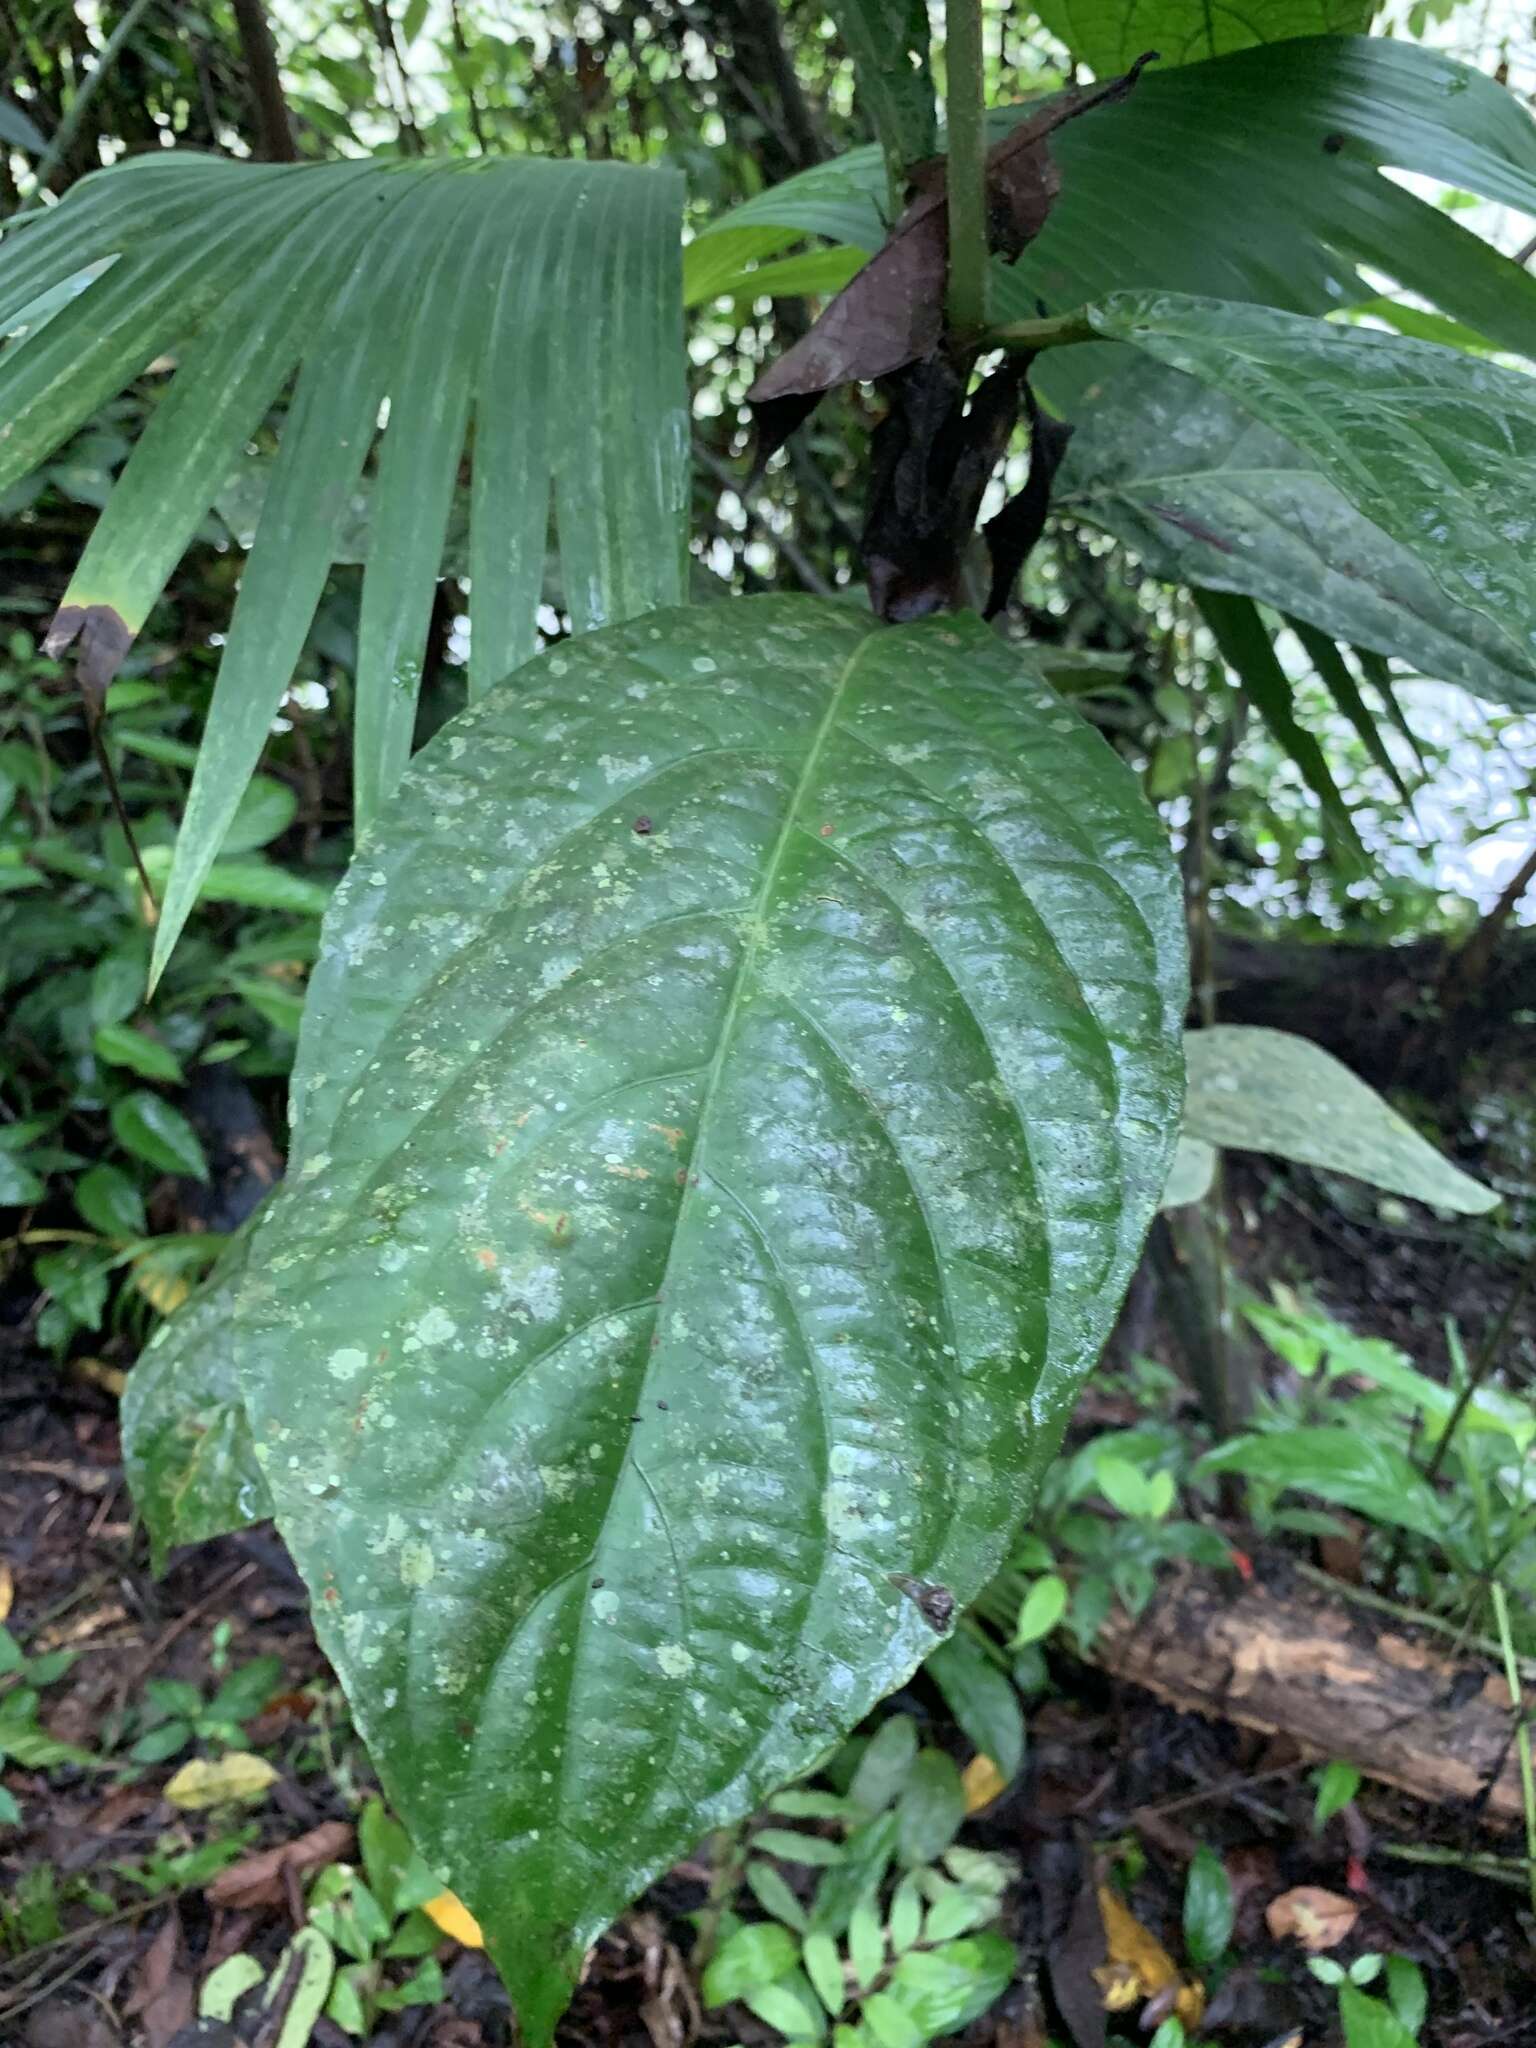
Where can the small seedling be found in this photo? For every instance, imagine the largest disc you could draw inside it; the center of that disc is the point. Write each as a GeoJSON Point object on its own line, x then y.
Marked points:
{"type": "Point", "coordinates": [174, 1713]}
{"type": "Point", "coordinates": [23, 1739]}
{"type": "Point", "coordinates": [892, 1945]}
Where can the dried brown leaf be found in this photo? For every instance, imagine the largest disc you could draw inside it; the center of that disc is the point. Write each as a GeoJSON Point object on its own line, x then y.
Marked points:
{"type": "Point", "coordinates": [259, 1880]}
{"type": "Point", "coordinates": [1316, 1918]}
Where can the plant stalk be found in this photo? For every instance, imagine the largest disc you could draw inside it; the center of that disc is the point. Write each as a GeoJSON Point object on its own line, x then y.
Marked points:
{"type": "Point", "coordinates": [965, 111]}
{"type": "Point", "coordinates": [1033, 335]}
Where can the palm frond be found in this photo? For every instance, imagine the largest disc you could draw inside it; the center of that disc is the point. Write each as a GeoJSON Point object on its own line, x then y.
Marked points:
{"type": "Point", "coordinates": [529, 311]}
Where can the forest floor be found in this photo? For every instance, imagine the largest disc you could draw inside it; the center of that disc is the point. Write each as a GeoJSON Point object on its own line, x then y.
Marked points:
{"type": "Point", "coordinates": [118, 1904]}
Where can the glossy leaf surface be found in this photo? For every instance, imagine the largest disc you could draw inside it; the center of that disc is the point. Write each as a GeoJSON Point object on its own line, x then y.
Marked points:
{"type": "Point", "coordinates": [187, 1445]}
{"type": "Point", "coordinates": [1435, 447]}
{"type": "Point", "coordinates": [1255, 176]}
{"type": "Point", "coordinates": [738, 1077]}
{"type": "Point", "coordinates": [1208, 495]}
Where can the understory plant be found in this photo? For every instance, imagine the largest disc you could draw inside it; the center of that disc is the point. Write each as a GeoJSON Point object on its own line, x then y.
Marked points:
{"type": "Point", "coordinates": [745, 1054]}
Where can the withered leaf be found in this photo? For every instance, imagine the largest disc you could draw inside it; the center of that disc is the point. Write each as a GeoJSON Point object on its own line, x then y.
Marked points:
{"type": "Point", "coordinates": [101, 638]}
{"type": "Point", "coordinates": [259, 1880]}
{"type": "Point", "coordinates": [892, 313]}
{"type": "Point", "coordinates": [1318, 1919]}
{"type": "Point", "coordinates": [931, 458]}
{"type": "Point", "coordinates": [1013, 533]}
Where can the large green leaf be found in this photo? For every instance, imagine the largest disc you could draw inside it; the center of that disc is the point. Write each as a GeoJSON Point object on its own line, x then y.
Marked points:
{"type": "Point", "coordinates": [187, 1445]}
{"type": "Point", "coordinates": [530, 307]}
{"type": "Point", "coordinates": [1208, 496]}
{"type": "Point", "coordinates": [739, 1073]}
{"type": "Point", "coordinates": [1269, 1091]}
{"type": "Point", "coordinates": [1433, 446]}
{"type": "Point", "coordinates": [1254, 176]}
{"type": "Point", "coordinates": [1109, 35]}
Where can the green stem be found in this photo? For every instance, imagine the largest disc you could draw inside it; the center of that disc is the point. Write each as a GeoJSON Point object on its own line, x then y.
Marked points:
{"type": "Point", "coordinates": [69, 127]}
{"type": "Point", "coordinates": [1522, 1733]}
{"type": "Point", "coordinates": [965, 110]}
{"type": "Point", "coordinates": [1061, 332]}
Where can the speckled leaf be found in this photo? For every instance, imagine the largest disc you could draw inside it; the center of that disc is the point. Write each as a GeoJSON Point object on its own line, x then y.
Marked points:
{"type": "Point", "coordinates": [1435, 447]}
{"type": "Point", "coordinates": [1208, 496]}
{"type": "Point", "coordinates": [1269, 1091]}
{"type": "Point", "coordinates": [186, 1442]}
{"type": "Point", "coordinates": [739, 1073]}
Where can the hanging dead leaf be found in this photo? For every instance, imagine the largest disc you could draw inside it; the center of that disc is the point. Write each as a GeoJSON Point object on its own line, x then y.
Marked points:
{"type": "Point", "coordinates": [449, 1913]}
{"type": "Point", "coordinates": [892, 313]}
{"type": "Point", "coordinates": [1316, 1918]}
{"type": "Point", "coordinates": [7, 1590]}
{"type": "Point", "coordinates": [982, 1782]}
{"type": "Point", "coordinates": [1137, 1967]}
{"type": "Point", "coordinates": [219, 1781]}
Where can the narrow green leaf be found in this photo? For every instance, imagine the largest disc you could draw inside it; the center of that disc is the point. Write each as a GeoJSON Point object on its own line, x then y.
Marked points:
{"type": "Point", "coordinates": [18, 130]}
{"type": "Point", "coordinates": [1247, 649]}
{"type": "Point", "coordinates": [1333, 671]}
{"type": "Point", "coordinates": [824, 1967]}
{"type": "Point", "coordinates": [982, 1700]}
{"type": "Point", "coordinates": [226, 380]}
{"type": "Point", "coordinates": [121, 1046]}
{"type": "Point", "coordinates": [1040, 1610]}
{"type": "Point", "coordinates": [771, 1892]}
{"type": "Point", "coordinates": [601, 1071]}
{"type": "Point", "coordinates": [886, 1763]}
{"type": "Point", "coordinates": [154, 1130]}
{"type": "Point", "coordinates": [1258, 1090]}
{"type": "Point", "coordinates": [930, 1809]}
{"type": "Point", "coordinates": [1341, 1465]}
{"type": "Point", "coordinates": [440, 344]}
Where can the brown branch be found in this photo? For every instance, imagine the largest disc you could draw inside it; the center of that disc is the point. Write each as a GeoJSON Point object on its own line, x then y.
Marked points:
{"type": "Point", "coordinates": [274, 129]}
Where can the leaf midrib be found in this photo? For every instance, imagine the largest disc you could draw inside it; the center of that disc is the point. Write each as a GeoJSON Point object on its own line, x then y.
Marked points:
{"type": "Point", "coordinates": [695, 1168]}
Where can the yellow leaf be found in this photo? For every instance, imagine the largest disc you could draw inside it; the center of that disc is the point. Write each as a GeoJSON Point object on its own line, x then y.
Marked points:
{"type": "Point", "coordinates": [983, 1783]}
{"type": "Point", "coordinates": [165, 1292]}
{"type": "Point", "coordinates": [455, 1919]}
{"type": "Point", "coordinates": [110, 1378]}
{"type": "Point", "coordinates": [7, 1590]}
{"type": "Point", "coordinates": [216, 1781]}
{"type": "Point", "coordinates": [1137, 1966]}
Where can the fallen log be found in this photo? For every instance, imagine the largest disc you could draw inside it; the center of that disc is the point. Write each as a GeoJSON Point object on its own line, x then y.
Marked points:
{"type": "Point", "coordinates": [1340, 1678]}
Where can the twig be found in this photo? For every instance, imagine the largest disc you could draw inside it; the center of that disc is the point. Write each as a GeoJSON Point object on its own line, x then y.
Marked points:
{"type": "Point", "coordinates": [64, 135]}
{"type": "Point", "coordinates": [965, 110]}
{"type": "Point", "coordinates": [808, 574]}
